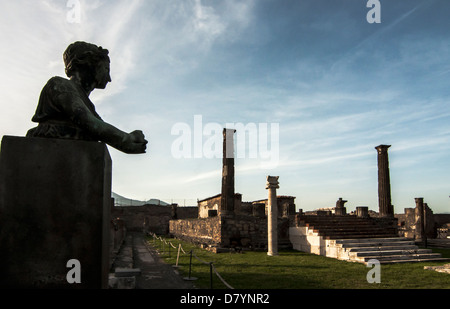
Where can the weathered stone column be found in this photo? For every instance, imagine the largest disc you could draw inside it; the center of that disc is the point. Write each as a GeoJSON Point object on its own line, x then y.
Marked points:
{"type": "Point", "coordinates": [419, 220]}
{"type": "Point", "coordinates": [272, 216]}
{"type": "Point", "coordinates": [362, 211]}
{"type": "Point", "coordinates": [227, 198]}
{"type": "Point", "coordinates": [384, 184]}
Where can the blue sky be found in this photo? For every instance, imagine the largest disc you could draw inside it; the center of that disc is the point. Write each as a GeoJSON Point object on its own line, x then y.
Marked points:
{"type": "Point", "coordinates": [336, 85]}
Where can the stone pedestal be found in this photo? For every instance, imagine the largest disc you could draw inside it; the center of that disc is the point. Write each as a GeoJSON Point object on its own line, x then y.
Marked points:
{"type": "Point", "coordinates": [55, 198]}
{"type": "Point", "coordinates": [362, 211]}
{"type": "Point", "coordinates": [340, 209]}
{"type": "Point", "coordinates": [272, 216]}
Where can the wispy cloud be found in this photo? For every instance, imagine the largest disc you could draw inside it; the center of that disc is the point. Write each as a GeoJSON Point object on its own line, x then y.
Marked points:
{"type": "Point", "coordinates": [36, 37]}
{"type": "Point", "coordinates": [385, 27]}
{"type": "Point", "coordinates": [336, 86]}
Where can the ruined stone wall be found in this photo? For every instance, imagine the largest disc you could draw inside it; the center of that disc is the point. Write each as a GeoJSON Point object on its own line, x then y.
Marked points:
{"type": "Point", "coordinates": [151, 218]}
{"type": "Point", "coordinates": [204, 231]}
{"type": "Point", "coordinates": [244, 231]}
{"type": "Point", "coordinates": [286, 205]}
{"type": "Point", "coordinates": [441, 219]}
{"type": "Point", "coordinates": [187, 212]}
{"type": "Point", "coordinates": [407, 223]}
{"type": "Point", "coordinates": [229, 231]}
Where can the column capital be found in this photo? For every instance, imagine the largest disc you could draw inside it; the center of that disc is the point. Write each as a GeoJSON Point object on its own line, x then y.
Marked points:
{"type": "Point", "coordinates": [380, 148]}
{"type": "Point", "coordinates": [272, 182]}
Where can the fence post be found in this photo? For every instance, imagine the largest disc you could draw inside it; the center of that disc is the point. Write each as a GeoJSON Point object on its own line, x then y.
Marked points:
{"type": "Point", "coordinates": [210, 275]}
{"type": "Point", "coordinates": [189, 278]}
{"type": "Point", "coordinates": [190, 264]}
{"type": "Point", "coordinates": [178, 254]}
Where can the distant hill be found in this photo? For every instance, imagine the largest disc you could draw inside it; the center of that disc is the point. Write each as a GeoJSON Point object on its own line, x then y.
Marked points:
{"type": "Point", "coordinates": [120, 200]}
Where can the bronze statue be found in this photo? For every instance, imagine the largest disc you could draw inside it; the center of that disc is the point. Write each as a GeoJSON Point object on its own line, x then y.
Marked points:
{"type": "Point", "coordinates": [65, 110]}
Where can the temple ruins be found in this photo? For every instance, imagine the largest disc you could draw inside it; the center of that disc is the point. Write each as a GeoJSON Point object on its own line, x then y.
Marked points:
{"type": "Point", "coordinates": [225, 222]}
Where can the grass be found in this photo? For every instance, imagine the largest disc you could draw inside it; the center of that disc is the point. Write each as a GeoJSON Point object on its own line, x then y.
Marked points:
{"type": "Point", "coordinates": [298, 270]}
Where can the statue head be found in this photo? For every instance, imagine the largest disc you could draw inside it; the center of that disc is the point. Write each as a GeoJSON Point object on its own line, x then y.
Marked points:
{"type": "Point", "coordinates": [89, 61]}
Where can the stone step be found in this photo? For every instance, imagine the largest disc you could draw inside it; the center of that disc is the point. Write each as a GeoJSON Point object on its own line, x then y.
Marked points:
{"type": "Point", "coordinates": [355, 230]}
{"type": "Point", "coordinates": [333, 218]}
{"type": "Point", "coordinates": [373, 240]}
{"type": "Point", "coordinates": [387, 250]}
{"type": "Point", "coordinates": [384, 253]}
{"type": "Point", "coordinates": [357, 234]}
{"type": "Point", "coordinates": [345, 227]}
{"type": "Point", "coordinates": [403, 258]}
{"type": "Point", "coordinates": [415, 260]}
{"type": "Point", "coordinates": [352, 236]}
{"type": "Point", "coordinates": [378, 244]}
{"type": "Point", "coordinates": [330, 222]}
{"type": "Point", "coordinates": [337, 226]}
{"type": "Point", "coordinates": [348, 235]}
{"type": "Point", "coordinates": [384, 247]}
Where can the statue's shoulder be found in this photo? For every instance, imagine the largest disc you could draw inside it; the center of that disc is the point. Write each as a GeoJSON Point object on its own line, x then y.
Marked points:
{"type": "Point", "coordinates": [58, 85]}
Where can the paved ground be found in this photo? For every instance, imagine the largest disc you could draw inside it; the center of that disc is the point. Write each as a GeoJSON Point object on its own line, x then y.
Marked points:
{"type": "Point", "coordinates": [155, 274]}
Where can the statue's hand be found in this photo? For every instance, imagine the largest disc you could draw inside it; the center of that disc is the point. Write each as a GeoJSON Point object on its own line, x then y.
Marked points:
{"type": "Point", "coordinates": [135, 142]}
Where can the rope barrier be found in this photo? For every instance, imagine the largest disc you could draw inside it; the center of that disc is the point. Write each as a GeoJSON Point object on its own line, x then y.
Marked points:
{"type": "Point", "coordinates": [221, 279]}
{"type": "Point", "coordinates": [204, 262]}
{"type": "Point", "coordinates": [191, 253]}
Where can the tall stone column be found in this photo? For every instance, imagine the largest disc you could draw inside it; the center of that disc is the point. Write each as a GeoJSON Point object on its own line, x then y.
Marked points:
{"type": "Point", "coordinates": [419, 220]}
{"type": "Point", "coordinates": [272, 216]}
{"type": "Point", "coordinates": [384, 185]}
{"type": "Point", "coordinates": [227, 197]}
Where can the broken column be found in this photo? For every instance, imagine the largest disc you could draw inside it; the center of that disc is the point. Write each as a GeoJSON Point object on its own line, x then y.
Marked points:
{"type": "Point", "coordinates": [384, 186]}
{"type": "Point", "coordinates": [340, 208]}
{"type": "Point", "coordinates": [362, 211]}
{"type": "Point", "coordinates": [272, 216]}
{"type": "Point", "coordinates": [419, 220]}
{"type": "Point", "coordinates": [227, 197]}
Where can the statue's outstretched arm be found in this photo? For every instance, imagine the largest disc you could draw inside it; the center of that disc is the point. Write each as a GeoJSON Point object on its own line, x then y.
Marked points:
{"type": "Point", "coordinates": [133, 142]}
